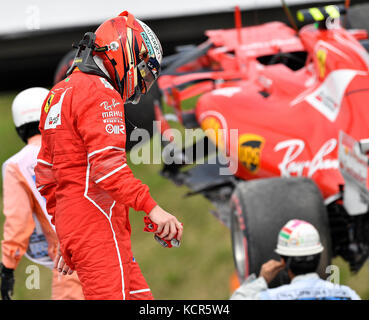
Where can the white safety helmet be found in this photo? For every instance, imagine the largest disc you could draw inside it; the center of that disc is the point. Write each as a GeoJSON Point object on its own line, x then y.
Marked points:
{"type": "Point", "coordinates": [298, 238]}
{"type": "Point", "coordinates": [27, 105]}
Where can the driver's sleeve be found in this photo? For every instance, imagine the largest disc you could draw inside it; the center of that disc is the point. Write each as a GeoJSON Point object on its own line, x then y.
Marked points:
{"type": "Point", "coordinates": [19, 223]}
{"type": "Point", "coordinates": [104, 139]}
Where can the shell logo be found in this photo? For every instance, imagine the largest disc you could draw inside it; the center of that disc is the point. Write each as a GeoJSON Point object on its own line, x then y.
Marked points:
{"type": "Point", "coordinates": [213, 129]}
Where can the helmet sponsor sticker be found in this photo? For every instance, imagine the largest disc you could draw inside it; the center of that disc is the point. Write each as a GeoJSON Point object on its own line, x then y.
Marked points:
{"type": "Point", "coordinates": [250, 147]}
{"type": "Point", "coordinates": [154, 41]}
{"type": "Point", "coordinates": [148, 43]}
{"type": "Point", "coordinates": [130, 82]}
{"type": "Point", "coordinates": [114, 46]}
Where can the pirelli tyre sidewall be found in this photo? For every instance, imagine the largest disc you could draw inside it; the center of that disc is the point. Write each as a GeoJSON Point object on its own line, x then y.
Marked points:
{"type": "Point", "coordinates": [260, 208]}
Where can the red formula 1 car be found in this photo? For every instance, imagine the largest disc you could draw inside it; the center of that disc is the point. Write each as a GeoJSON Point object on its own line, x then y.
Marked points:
{"type": "Point", "coordinates": [292, 106]}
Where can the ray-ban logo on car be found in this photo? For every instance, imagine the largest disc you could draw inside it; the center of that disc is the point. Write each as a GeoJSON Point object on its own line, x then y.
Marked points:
{"type": "Point", "coordinates": [250, 148]}
{"type": "Point", "coordinates": [308, 165]}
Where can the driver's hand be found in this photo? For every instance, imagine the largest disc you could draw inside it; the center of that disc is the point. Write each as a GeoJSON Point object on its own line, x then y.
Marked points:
{"type": "Point", "coordinates": [60, 264]}
{"type": "Point", "coordinates": [168, 225]}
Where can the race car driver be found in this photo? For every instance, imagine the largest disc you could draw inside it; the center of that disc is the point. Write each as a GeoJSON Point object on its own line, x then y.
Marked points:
{"type": "Point", "coordinates": [82, 169]}
{"type": "Point", "coordinates": [27, 229]}
{"type": "Point", "coordinates": [299, 247]}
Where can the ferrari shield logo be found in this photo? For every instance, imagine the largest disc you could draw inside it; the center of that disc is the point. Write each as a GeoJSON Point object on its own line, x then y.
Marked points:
{"type": "Point", "coordinates": [48, 103]}
{"type": "Point", "coordinates": [321, 56]}
{"type": "Point", "coordinates": [249, 151]}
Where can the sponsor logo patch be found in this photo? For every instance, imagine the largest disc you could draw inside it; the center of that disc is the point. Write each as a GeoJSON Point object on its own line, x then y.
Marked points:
{"type": "Point", "coordinates": [114, 46]}
{"type": "Point", "coordinates": [109, 106]}
{"type": "Point", "coordinates": [48, 103]}
{"type": "Point", "coordinates": [53, 118]}
{"type": "Point", "coordinates": [148, 43]}
{"type": "Point", "coordinates": [250, 147]}
{"type": "Point", "coordinates": [154, 41]}
{"type": "Point", "coordinates": [112, 114]}
{"type": "Point", "coordinates": [294, 148]}
{"type": "Point", "coordinates": [115, 128]}
{"type": "Point", "coordinates": [213, 127]}
{"type": "Point", "coordinates": [327, 98]}
{"type": "Point", "coordinates": [352, 162]}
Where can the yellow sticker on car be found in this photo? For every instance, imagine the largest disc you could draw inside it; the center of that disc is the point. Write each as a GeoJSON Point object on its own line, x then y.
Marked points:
{"type": "Point", "coordinates": [321, 56]}
{"type": "Point", "coordinates": [250, 147]}
{"type": "Point", "coordinates": [213, 130]}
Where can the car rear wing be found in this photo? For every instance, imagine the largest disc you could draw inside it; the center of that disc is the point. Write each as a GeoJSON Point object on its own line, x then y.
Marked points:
{"type": "Point", "coordinates": [353, 164]}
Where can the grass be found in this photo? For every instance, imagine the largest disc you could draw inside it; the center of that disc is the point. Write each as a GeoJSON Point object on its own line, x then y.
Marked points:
{"type": "Point", "coordinates": [199, 269]}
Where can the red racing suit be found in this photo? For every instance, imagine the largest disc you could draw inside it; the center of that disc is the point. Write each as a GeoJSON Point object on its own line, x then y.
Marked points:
{"type": "Point", "coordinates": [83, 174]}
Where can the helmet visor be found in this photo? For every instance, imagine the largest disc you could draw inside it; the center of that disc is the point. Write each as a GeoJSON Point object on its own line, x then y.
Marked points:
{"type": "Point", "coordinates": [149, 72]}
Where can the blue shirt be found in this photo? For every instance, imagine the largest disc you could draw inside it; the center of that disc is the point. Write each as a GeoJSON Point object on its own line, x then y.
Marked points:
{"type": "Point", "coordinates": [303, 287]}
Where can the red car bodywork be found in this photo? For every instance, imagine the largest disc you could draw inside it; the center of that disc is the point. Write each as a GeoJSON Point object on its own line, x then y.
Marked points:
{"type": "Point", "coordinates": [288, 120]}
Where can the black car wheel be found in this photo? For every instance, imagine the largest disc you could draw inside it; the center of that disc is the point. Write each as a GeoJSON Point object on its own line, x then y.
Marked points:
{"type": "Point", "coordinates": [260, 208]}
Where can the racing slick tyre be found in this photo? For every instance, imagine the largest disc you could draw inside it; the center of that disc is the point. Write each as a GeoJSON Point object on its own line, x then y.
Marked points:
{"type": "Point", "coordinates": [140, 115]}
{"type": "Point", "coordinates": [260, 208]}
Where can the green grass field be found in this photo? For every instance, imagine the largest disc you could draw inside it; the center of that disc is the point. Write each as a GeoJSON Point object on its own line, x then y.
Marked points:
{"type": "Point", "coordinates": [199, 269]}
